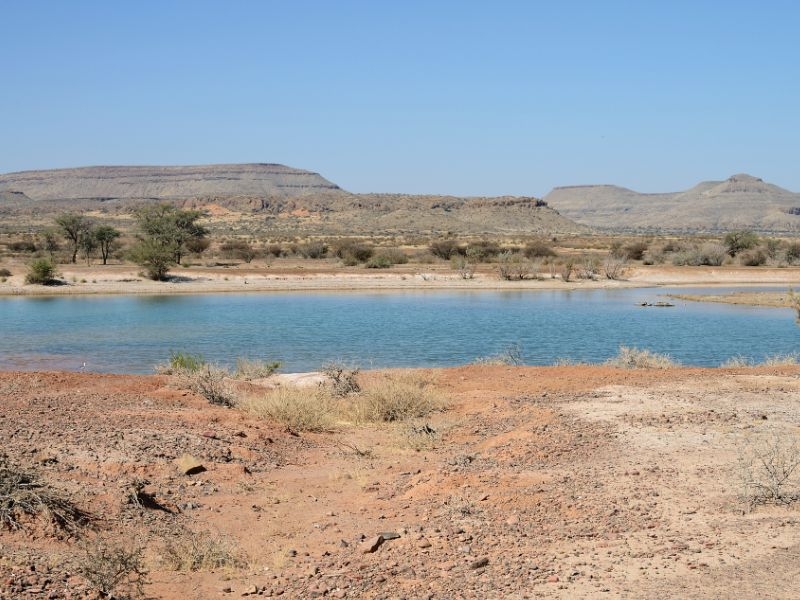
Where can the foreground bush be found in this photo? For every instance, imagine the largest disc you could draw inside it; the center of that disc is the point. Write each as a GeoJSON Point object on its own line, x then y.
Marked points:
{"type": "Point", "coordinates": [41, 271]}
{"type": "Point", "coordinates": [395, 397]}
{"type": "Point", "coordinates": [769, 469]}
{"type": "Point", "coordinates": [633, 358]}
{"type": "Point", "coordinates": [298, 408]}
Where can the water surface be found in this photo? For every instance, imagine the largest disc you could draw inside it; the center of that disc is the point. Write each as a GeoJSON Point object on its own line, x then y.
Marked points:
{"type": "Point", "coordinates": [419, 328]}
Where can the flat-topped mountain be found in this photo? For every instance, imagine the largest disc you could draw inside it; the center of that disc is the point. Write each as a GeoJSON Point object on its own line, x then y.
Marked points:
{"type": "Point", "coordinates": [177, 183]}
{"type": "Point", "coordinates": [274, 197]}
{"type": "Point", "coordinates": [740, 202]}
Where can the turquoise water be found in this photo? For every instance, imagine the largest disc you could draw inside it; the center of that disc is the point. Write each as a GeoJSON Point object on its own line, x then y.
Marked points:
{"type": "Point", "coordinates": [130, 334]}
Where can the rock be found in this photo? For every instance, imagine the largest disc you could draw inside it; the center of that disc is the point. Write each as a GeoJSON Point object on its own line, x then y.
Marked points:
{"type": "Point", "coordinates": [250, 591]}
{"type": "Point", "coordinates": [189, 465]}
{"type": "Point", "coordinates": [481, 562]}
{"type": "Point", "coordinates": [390, 535]}
{"type": "Point", "coordinates": [423, 543]}
{"type": "Point", "coordinates": [371, 545]}
{"type": "Point", "coordinates": [553, 579]}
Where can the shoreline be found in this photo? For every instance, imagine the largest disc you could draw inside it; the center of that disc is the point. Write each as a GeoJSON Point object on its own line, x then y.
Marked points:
{"type": "Point", "coordinates": [123, 280]}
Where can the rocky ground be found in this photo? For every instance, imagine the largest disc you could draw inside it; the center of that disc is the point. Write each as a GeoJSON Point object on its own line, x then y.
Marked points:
{"type": "Point", "coordinates": [562, 482]}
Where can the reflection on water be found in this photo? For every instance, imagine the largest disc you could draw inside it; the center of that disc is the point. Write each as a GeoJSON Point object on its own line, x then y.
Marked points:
{"type": "Point", "coordinates": [132, 333]}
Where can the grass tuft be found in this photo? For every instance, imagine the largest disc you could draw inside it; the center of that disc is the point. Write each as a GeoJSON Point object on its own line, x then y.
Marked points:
{"type": "Point", "coordinates": [633, 358]}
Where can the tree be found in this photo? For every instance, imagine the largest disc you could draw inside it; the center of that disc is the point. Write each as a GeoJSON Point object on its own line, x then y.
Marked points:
{"type": "Point", "coordinates": [743, 239]}
{"type": "Point", "coordinates": [51, 242]}
{"type": "Point", "coordinates": [88, 246]}
{"type": "Point", "coordinates": [75, 228]}
{"type": "Point", "coordinates": [156, 258]}
{"type": "Point", "coordinates": [171, 226]}
{"type": "Point", "coordinates": [106, 238]}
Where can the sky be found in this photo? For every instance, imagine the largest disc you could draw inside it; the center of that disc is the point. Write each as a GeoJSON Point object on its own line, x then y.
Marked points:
{"type": "Point", "coordinates": [464, 98]}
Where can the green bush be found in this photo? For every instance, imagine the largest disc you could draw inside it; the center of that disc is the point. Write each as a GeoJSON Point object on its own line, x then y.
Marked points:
{"type": "Point", "coordinates": [182, 362]}
{"type": "Point", "coordinates": [737, 241]}
{"type": "Point", "coordinates": [41, 271]}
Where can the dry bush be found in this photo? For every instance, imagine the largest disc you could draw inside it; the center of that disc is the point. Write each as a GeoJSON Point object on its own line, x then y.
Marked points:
{"type": "Point", "coordinates": [781, 360]}
{"type": "Point", "coordinates": [343, 378]}
{"type": "Point", "coordinates": [735, 362]}
{"type": "Point", "coordinates": [394, 397]}
{"type": "Point", "coordinates": [298, 408]}
{"type": "Point", "coordinates": [466, 270]}
{"type": "Point", "coordinates": [115, 569]}
{"type": "Point", "coordinates": [512, 355]}
{"type": "Point", "coordinates": [210, 382]}
{"type": "Point", "coordinates": [768, 469]}
{"type": "Point", "coordinates": [633, 358]}
{"type": "Point", "coordinates": [565, 269]}
{"type": "Point", "coordinates": [615, 267]}
{"type": "Point", "coordinates": [248, 369]}
{"type": "Point", "coordinates": [201, 552]}
{"type": "Point", "coordinates": [21, 496]}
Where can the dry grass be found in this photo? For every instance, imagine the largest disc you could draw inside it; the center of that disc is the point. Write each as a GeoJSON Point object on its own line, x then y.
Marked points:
{"type": "Point", "coordinates": [191, 551]}
{"type": "Point", "coordinates": [22, 496]}
{"type": "Point", "coordinates": [114, 569]}
{"type": "Point", "coordinates": [394, 397]}
{"type": "Point", "coordinates": [633, 358]}
{"type": "Point", "coordinates": [775, 360]}
{"type": "Point", "coordinates": [248, 369]}
{"type": "Point", "coordinates": [383, 398]}
{"type": "Point", "coordinates": [298, 408]}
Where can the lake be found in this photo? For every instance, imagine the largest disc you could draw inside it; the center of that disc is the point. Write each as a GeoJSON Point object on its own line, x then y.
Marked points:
{"type": "Point", "coordinates": [130, 334]}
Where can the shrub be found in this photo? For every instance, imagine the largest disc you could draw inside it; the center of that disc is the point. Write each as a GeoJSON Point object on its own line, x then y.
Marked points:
{"type": "Point", "coordinates": [181, 361]}
{"type": "Point", "coordinates": [633, 358]}
{"type": "Point", "coordinates": [314, 250]}
{"type": "Point", "coordinates": [210, 382]}
{"type": "Point", "coordinates": [343, 378]}
{"type": "Point", "coordinates": [510, 356]}
{"type": "Point", "coordinates": [395, 397]}
{"type": "Point", "coordinates": [5, 272]}
{"type": "Point", "coordinates": [615, 267]}
{"type": "Point", "coordinates": [22, 495]}
{"type": "Point", "coordinates": [514, 266]}
{"type": "Point", "coordinates": [255, 369]}
{"type": "Point", "coordinates": [275, 250]}
{"type": "Point", "coordinates": [538, 249]}
{"type": "Point", "coordinates": [41, 271]}
{"type": "Point", "coordinates": [446, 249]}
{"type": "Point", "coordinates": [154, 257]}
{"type": "Point", "coordinates": [737, 241]}
{"type": "Point", "coordinates": [115, 569]}
{"type": "Point", "coordinates": [482, 251]}
{"type": "Point", "coordinates": [588, 267]}
{"type": "Point", "coordinates": [781, 360]}
{"type": "Point", "coordinates": [466, 270]}
{"type": "Point", "coordinates": [566, 268]}
{"type": "Point", "coordinates": [768, 469]}
{"type": "Point", "coordinates": [22, 246]}
{"type": "Point", "coordinates": [379, 261]}
{"type": "Point", "coordinates": [353, 252]}
{"type": "Point", "coordinates": [754, 257]}
{"type": "Point", "coordinates": [793, 252]}
{"type": "Point", "coordinates": [712, 255]}
{"type": "Point", "coordinates": [298, 408]}
{"type": "Point", "coordinates": [201, 552]}
{"type": "Point", "coordinates": [635, 250]}
{"type": "Point", "coordinates": [238, 249]}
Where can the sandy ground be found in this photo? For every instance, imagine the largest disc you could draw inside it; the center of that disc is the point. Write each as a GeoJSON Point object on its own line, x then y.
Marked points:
{"type": "Point", "coordinates": [548, 482]}
{"type": "Point", "coordinates": [310, 275]}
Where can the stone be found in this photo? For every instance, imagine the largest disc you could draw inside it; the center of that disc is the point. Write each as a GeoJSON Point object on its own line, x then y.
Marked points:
{"type": "Point", "coordinates": [371, 545]}
{"type": "Point", "coordinates": [189, 465]}
{"type": "Point", "coordinates": [480, 563]}
{"type": "Point", "coordinates": [250, 591]}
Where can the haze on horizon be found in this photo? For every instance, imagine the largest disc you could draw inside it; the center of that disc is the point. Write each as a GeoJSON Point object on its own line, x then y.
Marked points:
{"type": "Point", "coordinates": [449, 97]}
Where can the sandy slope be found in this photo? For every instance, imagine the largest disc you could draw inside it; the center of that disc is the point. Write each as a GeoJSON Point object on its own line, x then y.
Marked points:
{"type": "Point", "coordinates": [555, 482]}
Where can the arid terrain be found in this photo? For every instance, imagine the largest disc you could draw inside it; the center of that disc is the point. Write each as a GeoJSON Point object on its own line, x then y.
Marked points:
{"type": "Point", "coordinates": [556, 482]}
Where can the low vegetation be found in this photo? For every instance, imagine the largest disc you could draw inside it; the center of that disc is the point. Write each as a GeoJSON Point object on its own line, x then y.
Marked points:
{"type": "Point", "coordinates": [42, 271]}
{"type": "Point", "coordinates": [24, 497]}
{"type": "Point", "coordinates": [634, 358]}
{"type": "Point", "coordinates": [769, 469]}
{"type": "Point", "coordinates": [114, 569]}
{"type": "Point", "coordinates": [193, 551]}
{"type": "Point", "coordinates": [382, 398]}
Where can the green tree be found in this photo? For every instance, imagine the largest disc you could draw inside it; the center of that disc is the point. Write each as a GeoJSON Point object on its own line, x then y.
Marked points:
{"type": "Point", "coordinates": [154, 256]}
{"type": "Point", "coordinates": [172, 226]}
{"type": "Point", "coordinates": [739, 240]}
{"type": "Point", "coordinates": [106, 238]}
{"type": "Point", "coordinates": [75, 228]}
{"type": "Point", "coordinates": [51, 244]}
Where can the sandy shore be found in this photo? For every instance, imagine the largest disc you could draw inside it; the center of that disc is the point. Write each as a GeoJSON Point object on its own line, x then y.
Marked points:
{"type": "Point", "coordinates": [311, 276]}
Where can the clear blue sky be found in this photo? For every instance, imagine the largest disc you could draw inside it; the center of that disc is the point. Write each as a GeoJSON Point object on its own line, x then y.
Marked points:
{"type": "Point", "coordinates": [467, 98]}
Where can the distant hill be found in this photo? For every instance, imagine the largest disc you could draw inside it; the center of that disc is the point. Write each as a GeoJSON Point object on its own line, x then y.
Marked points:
{"type": "Point", "coordinates": [740, 202]}
{"type": "Point", "coordinates": [270, 197]}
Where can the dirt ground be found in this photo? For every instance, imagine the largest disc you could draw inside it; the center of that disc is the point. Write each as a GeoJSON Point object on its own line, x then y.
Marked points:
{"type": "Point", "coordinates": [551, 482]}
{"type": "Point", "coordinates": [310, 275]}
